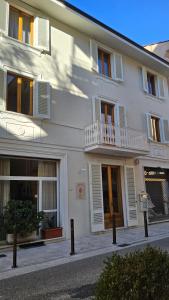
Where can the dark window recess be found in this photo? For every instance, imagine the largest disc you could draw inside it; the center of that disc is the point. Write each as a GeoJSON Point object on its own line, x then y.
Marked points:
{"type": "Point", "coordinates": [12, 92]}
{"type": "Point", "coordinates": [23, 167]}
{"type": "Point", "coordinates": [19, 94]}
{"type": "Point", "coordinates": [151, 80]}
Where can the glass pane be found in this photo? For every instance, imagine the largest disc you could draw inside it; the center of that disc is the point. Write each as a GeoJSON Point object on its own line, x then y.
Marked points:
{"type": "Point", "coordinates": [13, 23]}
{"type": "Point", "coordinates": [23, 167]}
{"type": "Point", "coordinates": [49, 195]}
{"type": "Point", "coordinates": [23, 190]}
{"type": "Point", "coordinates": [11, 92]}
{"type": "Point", "coordinates": [4, 192]}
{"type": "Point", "coordinates": [25, 96]}
{"type": "Point", "coordinates": [106, 64]}
{"type": "Point", "coordinates": [50, 220]}
{"type": "Point", "coordinates": [105, 189]}
{"type": "Point", "coordinates": [47, 169]}
{"type": "Point", "coordinates": [26, 29]}
{"type": "Point", "coordinates": [100, 62]}
{"type": "Point", "coordinates": [115, 191]}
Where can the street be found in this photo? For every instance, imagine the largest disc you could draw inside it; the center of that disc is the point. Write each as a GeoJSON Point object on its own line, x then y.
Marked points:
{"type": "Point", "coordinates": [70, 281]}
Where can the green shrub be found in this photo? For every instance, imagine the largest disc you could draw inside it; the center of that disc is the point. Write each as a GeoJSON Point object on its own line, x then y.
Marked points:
{"type": "Point", "coordinates": [21, 217]}
{"type": "Point", "coordinates": [141, 275]}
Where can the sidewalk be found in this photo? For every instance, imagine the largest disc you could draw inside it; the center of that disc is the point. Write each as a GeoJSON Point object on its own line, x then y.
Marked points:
{"type": "Point", "coordinates": [53, 254]}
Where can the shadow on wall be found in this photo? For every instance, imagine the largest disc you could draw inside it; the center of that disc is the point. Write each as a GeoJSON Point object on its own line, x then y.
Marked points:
{"type": "Point", "coordinates": [70, 106]}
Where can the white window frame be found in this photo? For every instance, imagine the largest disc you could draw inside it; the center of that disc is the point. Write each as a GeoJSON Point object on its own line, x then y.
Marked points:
{"type": "Point", "coordinates": [40, 181]}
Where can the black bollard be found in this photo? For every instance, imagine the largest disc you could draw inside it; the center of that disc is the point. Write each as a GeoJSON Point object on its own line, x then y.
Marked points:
{"type": "Point", "coordinates": [114, 228]}
{"type": "Point", "coordinates": [72, 237]}
{"type": "Point", "coordinates": [14, 250]}
{"type": "Point", "coordinates": [145, 224]}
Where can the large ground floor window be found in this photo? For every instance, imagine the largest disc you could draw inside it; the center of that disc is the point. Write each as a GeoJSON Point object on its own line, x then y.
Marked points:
{"type": "Point", "coordinates": [31, 179]}
{"type": "Point", "coordinates": [157, 186]}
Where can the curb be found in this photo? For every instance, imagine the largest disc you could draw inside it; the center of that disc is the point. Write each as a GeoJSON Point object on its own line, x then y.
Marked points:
{"type": "Point", "coordinates": [58, 262]}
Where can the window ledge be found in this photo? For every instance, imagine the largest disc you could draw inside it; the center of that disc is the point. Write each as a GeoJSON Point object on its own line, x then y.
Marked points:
{"type": "Point", "coordinates": [18, 116]}
{"type": "Point", "coordinates": [107, 79]}
{"type": "Point", "coordinates": [17, 43]}
{"type": "Point", "coordinates": [154, 98]}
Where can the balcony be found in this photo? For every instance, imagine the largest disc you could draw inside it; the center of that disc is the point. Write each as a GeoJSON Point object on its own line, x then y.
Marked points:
{"type": "Point", "coordinates": [111, 140]}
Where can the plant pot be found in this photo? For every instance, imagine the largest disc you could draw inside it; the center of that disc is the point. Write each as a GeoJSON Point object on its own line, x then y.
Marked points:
{"type": "Point", "coordinates": [51, 233]}
{"type": "Point", "coordinates": [22, 239]}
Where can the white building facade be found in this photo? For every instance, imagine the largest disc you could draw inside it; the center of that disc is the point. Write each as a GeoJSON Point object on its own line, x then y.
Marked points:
{"type": "Point", "coordinates": [83, 118]}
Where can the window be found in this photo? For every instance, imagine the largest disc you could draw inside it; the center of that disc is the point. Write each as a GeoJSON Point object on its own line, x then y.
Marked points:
{"type": "Point", "coordinates": [21, 26]}
{"type": "Point", "coordinates": [155, 128]}
{"type": "Point", "coordinates": [19, 94]}
{"type": "Point", "coordinates": [104, 63]}
{"type": "Point", "coordinates": [107, 113]}
{"type": "Point", "coordinates": [151, 83]}
{"type": "Point", "coordinates": [154, 84]}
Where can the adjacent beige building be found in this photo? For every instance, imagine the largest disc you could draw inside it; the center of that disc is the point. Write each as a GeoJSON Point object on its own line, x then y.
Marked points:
{"type": "Point", "coordinates": [83, 118]}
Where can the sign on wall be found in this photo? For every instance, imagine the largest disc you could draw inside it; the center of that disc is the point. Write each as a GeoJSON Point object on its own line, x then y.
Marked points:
{"type": "Point", "coordinates": [80, 191]}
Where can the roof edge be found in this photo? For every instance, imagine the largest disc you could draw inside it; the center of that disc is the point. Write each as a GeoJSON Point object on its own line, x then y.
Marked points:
{"type": "Point", "coordinates": [96, 21]}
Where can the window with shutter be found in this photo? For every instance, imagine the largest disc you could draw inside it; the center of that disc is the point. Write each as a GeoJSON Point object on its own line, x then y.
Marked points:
{"type": "Point", "coordinates": [4, 16]}
{"type": "Point", "coordinates": [20, 26]}
{"type": "Point", "coordinates": [131, 196]}
{"type": "Point", "coordinates": [96, 198]}
{"type": "Point", "coordinates": [42, 99]}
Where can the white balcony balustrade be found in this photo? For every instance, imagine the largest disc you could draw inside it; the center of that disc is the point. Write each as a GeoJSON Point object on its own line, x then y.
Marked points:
{"type": "Point", "coordinates": [103, 138]}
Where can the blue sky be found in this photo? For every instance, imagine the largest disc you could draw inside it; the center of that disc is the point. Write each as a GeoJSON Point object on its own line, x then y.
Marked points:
{"type": "Point", "coordinates": [144, 21]}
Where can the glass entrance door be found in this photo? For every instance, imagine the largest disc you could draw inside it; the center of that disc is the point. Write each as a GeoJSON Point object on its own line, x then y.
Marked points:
{"type": "Point", "coordinates": [112, 198]}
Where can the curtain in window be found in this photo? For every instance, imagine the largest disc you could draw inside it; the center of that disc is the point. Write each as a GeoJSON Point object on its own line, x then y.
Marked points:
{"type": "Point", "coordinates": [49, 201]}
{"type": "Point", "coordinates": [26, 30]}
{"type": "Point", "coordinates": [48, 169]}
{"type": "Point", "coordinates": [4, 185]}
{"type": "Point", "coordinates": [13, 24]}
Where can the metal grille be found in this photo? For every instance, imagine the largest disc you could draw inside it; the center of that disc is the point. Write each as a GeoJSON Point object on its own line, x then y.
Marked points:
{"type": "Point", "coordinates": [157, 186]}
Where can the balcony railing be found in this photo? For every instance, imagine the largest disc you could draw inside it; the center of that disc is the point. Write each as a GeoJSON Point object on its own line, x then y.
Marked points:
{"type": "Point", "coordinates": [105, 134]}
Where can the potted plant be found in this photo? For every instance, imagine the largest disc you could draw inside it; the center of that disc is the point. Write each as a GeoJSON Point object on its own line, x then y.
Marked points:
{"type": "Point", "coordinates": [50, 230]}
{"type": "Point", "coordinates": [21, 219]}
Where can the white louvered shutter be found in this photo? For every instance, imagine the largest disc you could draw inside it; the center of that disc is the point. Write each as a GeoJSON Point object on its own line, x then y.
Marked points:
{"type": "Point", "coordinates": [120, 122]}
{"type": "Point", "coordinates": [3, 78]}
{"type": "Point", "coordinates": [4, 16]}
{"type": "Point", "coordinates": [149, 126]}
{"type": "Point", "coordinates": [131, 196]}
{"type": "Point", "coordinates": [94, 55]}
{"type": "Point", "coordinates": [165, 130]}
{"type": "Point", "coordinates": [161, 87]}
{"type": "Point", "coordinates": [122, 116]}
{"type": "Point", "coordinates": [42, 30]}
{"type": "Point", "coordinates": [96, 198]}
{"type": "Point", "coordinates": [97, 110]}
{"type": "Point", "coordinates": [42, 99]}
{"type": "Point", "coordinates": [117, 67]}
{"type": "Point", "coordinates": [144, 79]}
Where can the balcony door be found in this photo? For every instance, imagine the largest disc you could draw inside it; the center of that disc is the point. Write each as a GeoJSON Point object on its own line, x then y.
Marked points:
{"type": "Point", "coordinates": [107, 113]}
{"type": "Point", "coordinates": [112, 196]}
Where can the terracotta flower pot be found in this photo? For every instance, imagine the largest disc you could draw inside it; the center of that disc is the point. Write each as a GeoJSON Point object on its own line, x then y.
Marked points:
{"type": "Point", "coordinates": [51, 233]}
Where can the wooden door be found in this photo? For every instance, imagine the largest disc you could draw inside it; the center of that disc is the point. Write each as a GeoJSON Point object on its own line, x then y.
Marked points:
{"type": "Point", "coordinates": [112, 198]}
